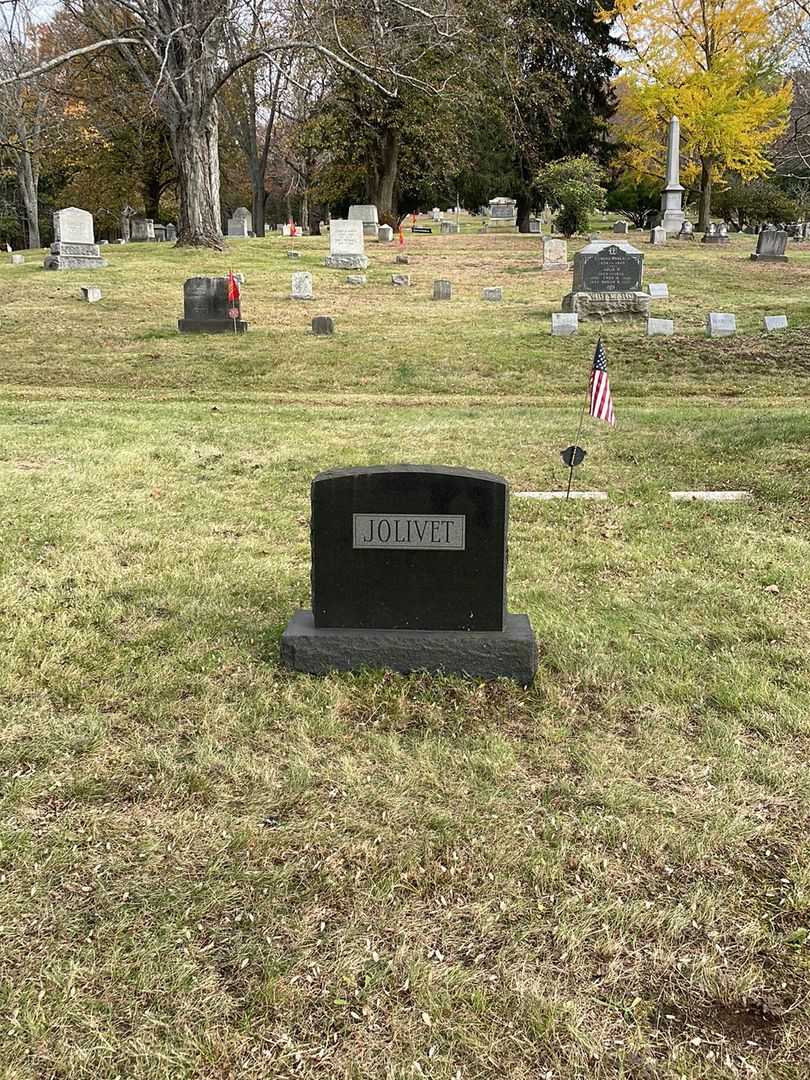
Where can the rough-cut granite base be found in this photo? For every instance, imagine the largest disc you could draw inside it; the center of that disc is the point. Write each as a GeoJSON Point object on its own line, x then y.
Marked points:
{"type": "Point", "coordinates": [211, 326]}
{"type": "Point", "coordinates": [64, 256]}
{"type": "Point", "coordinates": [608, 306]}
{"type": "Point", "coordinates": [708, 238]}
{"type": "Point", "coordinates": [490, 654]}
{"type": "Point", "coordinates": [769, 258]}
{"type": "Point", "coordinates": [346, 262]}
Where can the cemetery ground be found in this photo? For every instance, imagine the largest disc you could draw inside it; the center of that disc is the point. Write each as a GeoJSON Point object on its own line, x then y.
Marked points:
{"type": "Point", "coordinates": [213, 867]}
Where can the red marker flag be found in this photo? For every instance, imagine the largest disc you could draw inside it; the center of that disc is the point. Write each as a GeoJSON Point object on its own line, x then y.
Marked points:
{"type": "Point", "coordinates": [401, 237]}
{"type": "Point", "coordinates": [234, 297]}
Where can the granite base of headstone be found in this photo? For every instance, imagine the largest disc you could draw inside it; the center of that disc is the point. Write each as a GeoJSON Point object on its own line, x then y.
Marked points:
{"type": "Point", "coordinates": [74, 247]}
{"type": "Point", "coordinates": [323, 326]}
{"type": "Point", "coordinates": [442, 290]}
{"type": "Point", "coordinates": [206, 309]}
{"type": "Point", "coordinates": [409, 574]}
{"type": "Point", "coordinates": [771, 246]}
{"type": "Point", "coordinates": [607, 283]}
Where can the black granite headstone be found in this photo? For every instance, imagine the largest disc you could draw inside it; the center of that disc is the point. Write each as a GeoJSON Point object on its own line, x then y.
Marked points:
{"type": "Point", "coordinates": [611, 269]}
{"type": "Point", "coordinates": [408, 572]}
{"type": "Point", "coordinates": [771, 246]}
{"type": "Point", "coordinates": [206, 308]}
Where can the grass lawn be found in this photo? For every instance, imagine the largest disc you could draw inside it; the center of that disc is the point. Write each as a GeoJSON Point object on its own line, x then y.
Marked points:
{"type": "Point", "coordinates": [211, 867]}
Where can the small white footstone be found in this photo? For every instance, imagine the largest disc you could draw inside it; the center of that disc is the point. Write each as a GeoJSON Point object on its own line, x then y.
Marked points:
{"type": "Point", "coordinates": [546, 495]}
{"type": "Point", "coordinates": [710, 496]}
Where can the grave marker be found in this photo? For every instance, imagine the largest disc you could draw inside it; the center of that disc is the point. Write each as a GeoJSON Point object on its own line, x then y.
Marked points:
{"type": "Point", "coordinates": [409, 573]}
{"type": "Point", "coordinates": [301, 286]}
{"type": "Point", "coordinates": [442, 290]}
{"type": "Point", "coordinates": [720, 324]}
{"type": "Point", "coordinates": [74, 247]}
{"type": "Point", "coordinates": [206, 308]}
{"type": "Point", "coordinates": [771, 246]}
{"type": "Point", "coordinates": [346, 245]}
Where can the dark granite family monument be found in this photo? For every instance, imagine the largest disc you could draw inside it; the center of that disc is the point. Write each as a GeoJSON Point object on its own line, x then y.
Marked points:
{"type": "Point", "coordinates": [409, 573]}
{"type": "Point", "coordinates": [207, 310]}
{"type": "Point", "coordinates": [607, 283]}
{"type": "Point", "coordinates": [771, 246]}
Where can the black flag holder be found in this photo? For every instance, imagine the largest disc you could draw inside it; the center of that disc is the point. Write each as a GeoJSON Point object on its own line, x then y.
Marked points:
{"type": "Point", "coordinates": [574, 455]}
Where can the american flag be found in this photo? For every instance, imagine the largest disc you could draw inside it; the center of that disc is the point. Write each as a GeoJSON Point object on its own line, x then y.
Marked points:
{"type": "Point", "coordinates": [601, 404]}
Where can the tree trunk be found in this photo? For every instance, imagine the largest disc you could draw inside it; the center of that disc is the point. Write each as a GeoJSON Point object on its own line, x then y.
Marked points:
{"type": "Point", "coordinates": [257, 205]}
{"type": "Point", "coordinates": [524, 209]}
{"type": "Point", "coordinates": [195, 146]}
{"type": "Point", "coordinates": [30, 197]}
{"type": "Point", "coordinates": [388, 173]}
{"type": "Point", "coordinates": [151, 189]}
{"type": "Point", "coordinates": [705, 211]}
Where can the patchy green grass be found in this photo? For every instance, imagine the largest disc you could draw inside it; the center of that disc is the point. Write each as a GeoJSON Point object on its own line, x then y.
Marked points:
{"type": "Point", "coordinates": [212, 867]}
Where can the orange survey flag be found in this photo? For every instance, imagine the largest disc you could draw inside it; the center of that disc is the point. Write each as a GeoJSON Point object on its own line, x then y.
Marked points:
{"type": "Point", "coordinates": [401, 237]}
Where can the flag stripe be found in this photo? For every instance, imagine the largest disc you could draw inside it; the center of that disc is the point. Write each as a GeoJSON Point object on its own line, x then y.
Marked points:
{"type": "Point", "coordinates": [601, 400]}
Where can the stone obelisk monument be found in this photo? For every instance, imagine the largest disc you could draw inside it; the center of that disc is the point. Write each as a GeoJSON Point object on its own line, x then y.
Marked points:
{"type": "Point", "coordinates": [672, 215]}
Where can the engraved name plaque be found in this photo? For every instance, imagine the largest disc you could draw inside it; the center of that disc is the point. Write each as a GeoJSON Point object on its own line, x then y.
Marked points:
{"type": "Point", "coordinates": [420, 531]}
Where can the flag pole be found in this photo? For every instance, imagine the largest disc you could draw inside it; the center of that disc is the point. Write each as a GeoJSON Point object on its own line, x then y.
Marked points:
{"type": "Point", "coordinates": [579, 432]}
{"type": "Point", "coordinates": [230, 279]}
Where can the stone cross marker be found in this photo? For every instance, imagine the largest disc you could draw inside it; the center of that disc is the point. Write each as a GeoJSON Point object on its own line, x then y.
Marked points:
{"type": "Point", "coordinates": [74, 247]}
{"type": "Point", "coordinates": [206, 309]}
{"type": "Point", "coordinates": [409, 573]}
{"type": "Point", "coordinates": [346, 245]}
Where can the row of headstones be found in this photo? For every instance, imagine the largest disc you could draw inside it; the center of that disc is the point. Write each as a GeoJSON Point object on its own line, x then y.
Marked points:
{"type": "Point", "coordinates": [771, 242]}
{"type": "Point", "coordinates": [302, 289]}
{"type": "Point", "coordinates": [718, 324]}
{"type": "Point", "coordinates": [145, 229]}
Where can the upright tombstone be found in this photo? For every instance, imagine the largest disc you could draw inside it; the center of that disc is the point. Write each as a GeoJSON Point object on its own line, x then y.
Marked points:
{"type": "Point", "coordinates": [535, 226]}
{"type": "Point", "coordinates": [367, 215]}
{"type": "Point", "coordinates": [74, 247]}
{"type": "Point", "coordinates": [436, 214]}
{"type": "Point", "coordinates": [658, 235]}
{"type": "Point", "coordinates": [409, 573]}
{"type": "Point", "coordinates": [385, 234]}
{"type": "Point", "coordinates": [687, 231]}
{"type": "Point", "coordinates": [621, 227]}
{"type": "Point", "coordinates": [442, 290]}
{"type": "Point", "coordinates": [206, 309]}
{"type": "Point", "coordinates": [607, 283]}
{"type": "Point", "coordinates": [301, 286]}
{"type": "Point", "coordinates": [160, 233]}
{"type": "Point", "coordinates": [241, 224]}
{"type": "Point", "coordinates": [450, 228]}
{"type": "Point", "coordinates": [771, 246]}
{"type": "Point", "coordinates": [555, 254]}
{"type": "Point", "coordinates": [171, 232]}
{"type": "Point", "coordinates": [502, 212]}
{"type": "Point", "coordinates": [346, 245]}
{"type": "Point", "coordinates": [141, 229]}
{"type": "Point", "coordinates": [715, 234]}
{"type": "Point", "coordinates": [672, 215]}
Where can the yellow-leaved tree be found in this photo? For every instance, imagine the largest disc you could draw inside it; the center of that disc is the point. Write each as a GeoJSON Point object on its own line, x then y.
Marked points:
{"type": "Point", "coordinates": [715, 65]}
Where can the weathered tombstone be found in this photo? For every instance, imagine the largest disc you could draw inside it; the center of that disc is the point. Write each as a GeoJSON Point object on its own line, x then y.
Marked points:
{"type": "Point", "coordinates": [436, 214]}
{"type": "Point", "coordinates": [660, 327]}
{"type": "Point", "coordinates": [293, 254]}
{"type": "Point", "coordinates": [715, 235]}
{"type": "Point", "coordinates": [687, 231]}
{"type": "Point", "coordinates": [535, 226]}
{"type": "Point", "coordinates": [241, 224]}
{"type": "Point", "coordinates": [409, 573]}
{"type": "Point", "coordinates": [720, 324]}
{"type": "Point", "coordinates": [160, 233]}
{"type": "Point", "coordinates": [367, 215]}
{"type": "Point", "coordinates": [90, 293]}
{"type": "Point", "coordinates": [385, 234]}
{"type": "Point", "coordinates": [607, 283]}
{"type": "Point", "coordinates": [658, 290]}
{"type": "Point", "coordinates": [206, 309]}
{"type": "Point", "coordinates": [171, 232]}
{"type": "Point", "coordinates": [621, 227]}
{"type": "Point", "coordinates": [323, 326]}
{"type": "Point", "coordinates": [402, 260]}
{"type": "Point", "coordinates": [346, 245]}
{"type": "Point", "coordinates": [775, 322]}
{"type": "Point", "coordinates": [141, 229]}
{"type": "Point", "coordinates": [301, 286]}
{"type": "Point", "coordinates": [450, 228]}
{"type": "Point", "coordinates": [492, 294]}
{"type": "Point", "coordinates": [564, 324]}
{"type": "Point", "coordinates": [442, 290]}
{"type": "Point", "coordinates": [503, 211]}
{"type": "Point", "coordinates": [658, 235]}
{"type": "Point", "coordinates": [356, 279]}
{"type": "Point", "coordinates": [74, 247]}
{"type": "Point", "coordinates": [400, 279]}
{"type": "Point", "coordinates": [555, 254]}
{"type": "Point", "coordinates": [771, 245]}
{"type": "Point", "coordinates": [17, 259]}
